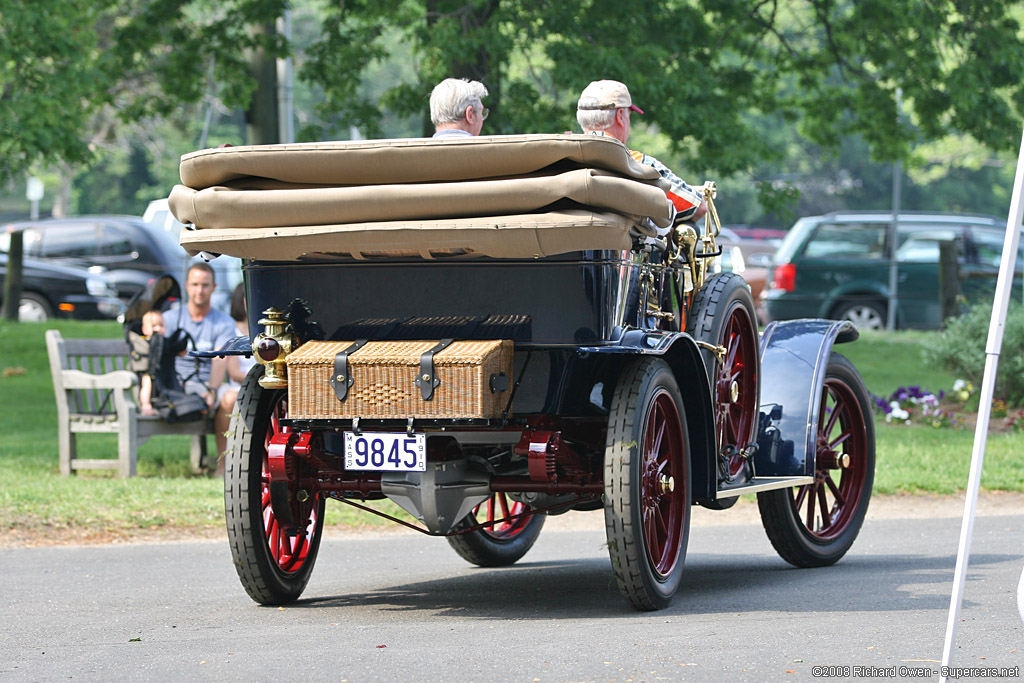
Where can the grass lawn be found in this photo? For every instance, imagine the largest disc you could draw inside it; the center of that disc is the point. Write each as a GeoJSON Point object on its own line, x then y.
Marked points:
{"type": "Point", "coordinates": [34, 498]}
{"type": "Point", "coordinates": [33, 495]}
{"type": "Point", "coordinates": [888, 361]}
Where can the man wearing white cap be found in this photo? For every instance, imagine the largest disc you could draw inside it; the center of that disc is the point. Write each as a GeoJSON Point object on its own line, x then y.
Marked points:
{"type": "Point", "coordinates": [456, 108]}
{"type": "Point", "coordinates": [604, 109]}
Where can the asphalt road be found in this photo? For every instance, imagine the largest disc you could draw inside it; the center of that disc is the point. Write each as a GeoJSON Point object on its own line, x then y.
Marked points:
{"type": "Point", "coordinates": [404, 607]}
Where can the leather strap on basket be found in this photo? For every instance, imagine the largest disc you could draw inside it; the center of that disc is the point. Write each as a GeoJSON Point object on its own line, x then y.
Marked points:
{"type": "Point", "coordinates": [427, 378]}
{"type": "Point", "coordinates": [341, 379]}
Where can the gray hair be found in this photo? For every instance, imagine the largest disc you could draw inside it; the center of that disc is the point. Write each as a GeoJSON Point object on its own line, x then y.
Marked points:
{"type": "Point", "coordinates": [451, 96]}
{"type": "Point", "coordinates": [595, 119]}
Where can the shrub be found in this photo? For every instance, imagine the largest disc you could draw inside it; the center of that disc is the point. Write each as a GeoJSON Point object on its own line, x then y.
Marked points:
{"type": "Point", "coordinates": [960, 348]}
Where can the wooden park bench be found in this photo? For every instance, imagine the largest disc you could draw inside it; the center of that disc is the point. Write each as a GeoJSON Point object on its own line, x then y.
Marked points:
{"type": "Point", "coordinates": [94, 393]}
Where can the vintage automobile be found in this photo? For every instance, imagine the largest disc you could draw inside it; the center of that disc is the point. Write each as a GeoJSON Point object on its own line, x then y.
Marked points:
{"type": "Point", "coordinates": [491, 330]}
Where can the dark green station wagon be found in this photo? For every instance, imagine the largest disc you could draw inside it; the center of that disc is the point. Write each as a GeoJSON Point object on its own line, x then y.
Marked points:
{"type": "Point", "coordinates": [837, 266]}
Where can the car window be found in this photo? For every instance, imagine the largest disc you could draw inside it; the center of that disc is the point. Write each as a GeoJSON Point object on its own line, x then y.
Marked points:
{"type": "Point", "coordinates": [988, 248]}
{"type": "Point", "coordinates": [29, 241]}
{"type": "Point", "coordinates": [729, 261]}
{"type": "Point", "coordinates": [69, 241]}
{"type": "Point", "coordinates": [116, 242]}
{"type": "Point", "coordinates": [848, 240]}
{"type": "Point", "coordinates": [921, 245]}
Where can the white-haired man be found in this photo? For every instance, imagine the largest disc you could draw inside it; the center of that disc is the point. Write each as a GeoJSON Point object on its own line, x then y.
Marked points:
{"type": "Point", "coordinates": [604, 108]}
{"type": "Point", "coordinates": [457, 109]}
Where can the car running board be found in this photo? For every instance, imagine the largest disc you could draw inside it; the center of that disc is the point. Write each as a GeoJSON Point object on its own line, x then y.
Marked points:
{"type": "Point", "coordinates": [765, 484]}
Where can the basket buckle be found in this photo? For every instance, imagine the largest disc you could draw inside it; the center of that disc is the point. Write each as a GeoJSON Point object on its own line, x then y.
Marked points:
{"type": "Point", "coordinates": [427, 378]}
{"type": "Point", "coordinates": [341, 378]}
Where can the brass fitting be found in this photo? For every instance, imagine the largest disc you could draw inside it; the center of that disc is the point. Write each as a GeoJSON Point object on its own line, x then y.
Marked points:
{"type": "Point", "coordinates": [272, 346]}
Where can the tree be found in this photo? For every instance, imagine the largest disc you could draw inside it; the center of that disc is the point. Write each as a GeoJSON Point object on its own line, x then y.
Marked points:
{"type": "Point", "coordinates": [48, 80]}
{"type": "Point", "coordinates": [705, 71]}
{"type": "Point", "coordinates": [69, 67]}
{"type": "Point", "coordinates": [708, 73]}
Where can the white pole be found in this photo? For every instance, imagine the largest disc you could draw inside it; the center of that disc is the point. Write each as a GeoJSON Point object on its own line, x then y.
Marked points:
{"type": "Point", "coordinates": [897, 195]}
{"type": "Point", "coordinates": [1004, 285]}
{"type": "Point", "coordinates": [1020, 596]}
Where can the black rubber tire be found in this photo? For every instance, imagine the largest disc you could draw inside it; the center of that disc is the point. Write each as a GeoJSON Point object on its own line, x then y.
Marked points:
{"type": "Point", "coordinates": [780, 514]}
{"type": "Point", "coordinates": [865, 314]}
{"type": "Point", "coordinates": [707, 315]}
{"type": "Point", "coordinates": [44, 308]}
{"type": "Point", "coordinates": [646, 390]}
{"type": "Point", "coordinates": [263, 577]}
{"type": "Point", "coordinates": [724, 295]}
{"type": "Point", "coordinates": [489, 549]}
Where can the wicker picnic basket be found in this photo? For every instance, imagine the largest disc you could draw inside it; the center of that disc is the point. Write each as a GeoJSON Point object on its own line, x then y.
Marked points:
{"type": "Point", "coordinates": [384, 380]}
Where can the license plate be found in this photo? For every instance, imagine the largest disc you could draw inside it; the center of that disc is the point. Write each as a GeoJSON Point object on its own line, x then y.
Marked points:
{"type": "Point", "coordinates": [388, 452]}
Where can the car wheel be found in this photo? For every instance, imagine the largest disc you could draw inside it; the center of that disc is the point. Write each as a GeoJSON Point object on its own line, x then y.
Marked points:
{"type": "Point", "coordinates": [273, 564]}
{"type": "Point", "coordinates": [723, 315]}
{"type": "Point", "coordinates": [814, 525]}
{"type": "Point", "coordinates": [647, 484]}
{"type": "Point", "coordinates": [866, 315]}
{"type": "Point", "coordinates": [502, 543]}
{"type": "Point", "coordinates": [32, 308]}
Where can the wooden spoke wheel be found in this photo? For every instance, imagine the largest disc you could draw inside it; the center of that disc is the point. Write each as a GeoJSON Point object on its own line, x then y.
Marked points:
{"type": "Point", "coordinates": [815, 525]}
{"type": "Point", "coordinates": [502, 542]}
{"type": "Point", "coordinates": [273, 565]}
{"type": "Point", "coordinates": [647, 484]}
{"type": "Point", "coordinates": [723, 315]}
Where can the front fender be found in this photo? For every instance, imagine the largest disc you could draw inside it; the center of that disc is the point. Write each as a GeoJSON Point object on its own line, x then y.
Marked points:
{"type": "Point", "coordinates": [680, 351]}
{"type": "Point", "coordinates": [794, 361]}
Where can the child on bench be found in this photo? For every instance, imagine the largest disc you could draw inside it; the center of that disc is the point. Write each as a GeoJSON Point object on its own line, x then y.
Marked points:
{"type": "Point", "coordinates": [152, 323]}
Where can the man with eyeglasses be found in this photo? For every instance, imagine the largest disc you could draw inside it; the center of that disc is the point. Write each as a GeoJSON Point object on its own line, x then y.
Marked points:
{"type": "Point", "coordinates": [456, 108]}
{"type": "Point", "coordinates": [604, 108]}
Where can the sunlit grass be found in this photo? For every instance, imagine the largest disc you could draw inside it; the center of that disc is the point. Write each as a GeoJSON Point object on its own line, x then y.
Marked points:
{"type": "Point", "coordinates": [918, 459]}
{"type": "Point", "coordinates": [888, 361]}
{"type": "Point", "coordinates": [33, 495]}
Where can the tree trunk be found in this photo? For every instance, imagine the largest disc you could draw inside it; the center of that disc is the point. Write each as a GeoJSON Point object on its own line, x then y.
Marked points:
{"type": "Point", "coordinates": [949, 280]}
{"type": "Point", "coordinates": [261, 118]}
{"type": "Point", "coordinates": [62, 199]}
{"type": "Point", "coordinates": [12, 284]}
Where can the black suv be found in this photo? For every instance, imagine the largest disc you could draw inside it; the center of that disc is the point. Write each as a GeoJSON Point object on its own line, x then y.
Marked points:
{"type": "Point", "coordinates": [129, 251]}
{"type": "Point", "coordinates": [49, 290]}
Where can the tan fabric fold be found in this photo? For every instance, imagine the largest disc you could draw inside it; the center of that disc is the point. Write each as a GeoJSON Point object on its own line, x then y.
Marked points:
{"type": "Point", "coordinates": [415, 160]}
{"type": "Point", "coordinates": [222, 207]}
{"type": "Point", "coordinates": [518, 236]}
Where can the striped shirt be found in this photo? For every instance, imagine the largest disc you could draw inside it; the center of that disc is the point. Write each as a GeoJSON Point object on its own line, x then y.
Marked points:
{"type": "Point", "coordinates": [686, 199]}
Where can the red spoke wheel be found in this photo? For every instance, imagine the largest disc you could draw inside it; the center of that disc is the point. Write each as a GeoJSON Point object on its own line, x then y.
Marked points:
{"type": "Point", "coordinates": [503, 542]}
{"type": "Point", "coordinates": [273, 566]}
{"type": "Point", "coordinates": [723, 314]}
{"type": "Point", "coordinates": [647, 484]}
{"type": "Point", "coordinates": [815, 525]}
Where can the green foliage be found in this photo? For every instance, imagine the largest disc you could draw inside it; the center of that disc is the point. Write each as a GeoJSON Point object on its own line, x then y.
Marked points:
{"type": "Point", "coordinates": [960, 349]}
{"type": "Point", "coordinates": [48, 81]}
{"type": "Point", "coordinates": [753, 93]}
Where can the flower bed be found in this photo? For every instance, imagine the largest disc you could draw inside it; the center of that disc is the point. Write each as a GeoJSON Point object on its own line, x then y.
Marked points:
{"type": "Point", "coordinates": [956, 409]}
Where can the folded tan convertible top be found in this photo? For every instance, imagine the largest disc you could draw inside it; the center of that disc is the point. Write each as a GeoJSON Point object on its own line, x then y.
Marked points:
{"type": "Point", "coordinates": [522, 236]}
{"type": "Point", "coordinates": [414, 160]}
{"type": "Point", "coordinates": [500, 196]}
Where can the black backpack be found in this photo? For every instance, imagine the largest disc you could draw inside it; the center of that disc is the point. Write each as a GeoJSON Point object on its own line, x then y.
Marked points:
{"type": "Point", "coordinates": [155, 356]}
